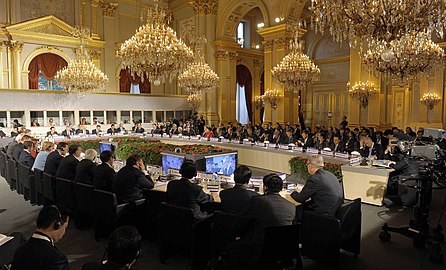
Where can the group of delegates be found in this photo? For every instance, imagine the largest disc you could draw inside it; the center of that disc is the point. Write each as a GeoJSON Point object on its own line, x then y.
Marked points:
{"type": "Point", "coordinates": [82, 130]}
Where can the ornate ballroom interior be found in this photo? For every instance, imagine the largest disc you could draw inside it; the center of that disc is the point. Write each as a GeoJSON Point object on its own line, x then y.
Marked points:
{"type": "Point", "coordinates": [246, 39]}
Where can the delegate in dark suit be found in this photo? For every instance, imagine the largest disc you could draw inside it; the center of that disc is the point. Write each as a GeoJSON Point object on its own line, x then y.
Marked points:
{"type": "Point", "coordinates": [52, 162]}
{"type": "Point", "coordinates": [26, 159]}
{"type": "Point", "coordinates": [68, 133]}
{"type": "Point", "coordinates": [375, 150]}
{"type": "Point", "coordinates": [10, 148]}
{"type": "Point", "coordinates": [18, 148]}
{"type": "Point", "coordinates": [236, 199]}
{"type": "Point", "coordinates": [338, 148]}
{"type": "Point", "coordinates": [138, 130]}
{"type": "Point", "coordinates": [186, 194]}
{"type": "Point", "coordinates": [39, 254]}
{"type": "Point", "coordinates": [67, 167]}
{"type": "Point", "coordinates": [325, 192]}
{"type": "Point", "coordinates": [263, 211]}
{"type": "Point", "coordinates": [84, 172]}
{"type": "Point", "coordinates": [103, 177]}
{"type": "Point", "coordinates": [129, 184]}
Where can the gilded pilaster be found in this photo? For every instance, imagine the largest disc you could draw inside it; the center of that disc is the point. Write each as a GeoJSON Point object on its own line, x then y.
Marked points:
{"type": "Point", "coordinates": [109, 9]}
{"type": "Point", "coordinates": [15, 49]}
{"type": "Point", "coordinates": [94, 4]}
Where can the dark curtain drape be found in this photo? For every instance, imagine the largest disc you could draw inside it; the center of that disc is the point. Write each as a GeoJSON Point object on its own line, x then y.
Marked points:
{"type": "Point", "coordinates": [126, 80]}
{"type": "Point", "coordinates": [244, 78]}
{"type": "Point", "coordinates": [262, 91]}
{"type": "Point", "coordinates": [48, 63]}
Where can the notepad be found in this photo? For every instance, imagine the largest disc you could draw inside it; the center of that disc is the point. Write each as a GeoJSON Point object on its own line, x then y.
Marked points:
{"type": "Point", "coordinates": [4, 239]}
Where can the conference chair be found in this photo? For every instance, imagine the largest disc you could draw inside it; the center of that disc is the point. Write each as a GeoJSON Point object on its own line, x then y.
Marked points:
{"type": "Point", "coordinates": [48, 184]}
{"type": "Point", "coordinates": [323, 237]}
{"type": "Point", "coordinates": [221, 232]}
{"type": "Point", "coordinates": [3, 159]}
{"type": "Point", "coordinates": [38, 184]}
{"type": "Point", "coordinates": [83, 197]}
{"type": "Point", "coordinates": [178, 229]}
{"type": "Point", "coordinates": [154, 199]}
{"type": "Point", "coordinates": [12, 173]}
{"type": "Point", "coordinates": [26, 180]}
{"type": "Point", "coordinates": [65, 193]}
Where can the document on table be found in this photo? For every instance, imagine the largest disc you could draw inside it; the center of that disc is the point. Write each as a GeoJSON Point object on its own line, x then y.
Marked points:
{"type": "Point", "coordinates": [4, 239]}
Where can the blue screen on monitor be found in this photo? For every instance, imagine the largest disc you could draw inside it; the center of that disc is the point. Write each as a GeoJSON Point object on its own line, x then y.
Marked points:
{"type": "Point", "coordinates": [221, 164]}
{"type": "Point", "coordinates": [169, 162]}
{"type": "Point", "coordinates": [105, 147]}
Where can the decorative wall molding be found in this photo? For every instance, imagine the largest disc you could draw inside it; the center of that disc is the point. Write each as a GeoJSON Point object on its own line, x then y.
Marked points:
{"type": "Point", "coordinates": [205, 7]}
{"type": "Point", "coordinates": [222, 55]}
{"type": "Point", "coordinates": [267, 45]}
{"type": "Point", "coordinates": [109, 9]}
{"type": "Point", "coordinates": [282, 43]}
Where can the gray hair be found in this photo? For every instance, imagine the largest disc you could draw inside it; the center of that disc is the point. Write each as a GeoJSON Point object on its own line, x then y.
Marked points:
{"type": "Point", "coordinates": [316, 160]}
{"type": "Point", "coordinates": [91, 154]}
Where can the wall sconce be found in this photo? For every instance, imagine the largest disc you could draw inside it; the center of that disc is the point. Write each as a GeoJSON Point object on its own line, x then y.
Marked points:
{"type": "Point", "coordinates": [362, 92]}
{"type": "Point", "coordinates": [430, 100]}
{"type": "Point", "coordinates": [258, 102]}
{"type": "Point", "coordinates": [272, 96]}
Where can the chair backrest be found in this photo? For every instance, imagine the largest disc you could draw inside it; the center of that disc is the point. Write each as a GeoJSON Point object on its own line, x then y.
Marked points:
{"type": "Point", "coordinates": [23, 173]}
{"type": "Point", "coordinates": [3, 159]}
{"type": "Point", "coordinates": [176, 224]}
{"type": "Point", "coordinates": [83, 194]}
{"type": "Point", "coordinates": [104, 206]}
{"type": "Point", "coordinates": [48, 183]}
{"type": "Point", "coordinates": [221, 231]}
{"type": "Point", "coordinates": [350, 217]}
{"type": "Point", "coordinates": [65, 193]}
{"type": "Point", "coordinates": [280, 243]}
{"type": "Point", "coordinates": [12, 169]}
{"type": "Point", "coordinates": [38, 174]}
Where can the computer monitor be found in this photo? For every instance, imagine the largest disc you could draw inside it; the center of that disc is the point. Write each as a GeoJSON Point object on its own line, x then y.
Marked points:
{"type": "Point", "coordinates": [105, 146]}
{"type": "Point", "coordinates": [171, 161]}
{"type": "Point", "coordinates": [222, 163]}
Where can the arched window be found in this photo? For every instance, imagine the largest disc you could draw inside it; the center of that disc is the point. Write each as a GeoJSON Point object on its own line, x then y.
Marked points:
{"type": "Point", "coordinates": [134, 85]}
{"type": "Point", "coordinates": [244, 95]}
{"type": "Point", "coordinates": [42, 70]}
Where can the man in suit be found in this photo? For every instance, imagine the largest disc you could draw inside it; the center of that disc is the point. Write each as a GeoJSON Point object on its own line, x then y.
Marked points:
{"type": "Point", "coordinates": [104, 174]}
{"type": "Point", "coordinates": [54, 158]}
{"type": "Point", "coordinates": [306, 140]}
{"type": "Point", "coordinates": [186, 194]}
{"type": "Point", "coordinates": [68, 165]}
{"type": "Point", "coordinates": [236, 199]}
{"type": "Point", "coordinates": [25, 156]}
{"type": "Point", "coordinates": [112, 129]}
{"type": "Point", "coordinates": [338, 146]}
{"type": "Point", "coordinates": [123, 250]}
{"type": "Point", "coordinates": [69, 130]}
{"type": "Point", "coordinates": [40, 252]}
{"type": "Point", "coordinates": [52, 132]}
{"type": "Point", "coordinates": [138, 128]}
{"type": "Point", "coordinates": [97, 130]}
{"type": "Point", "coordinates": [263, 211]}
{"type": "Point", "coordinates": [82, 130]}
{"type": "Point", "coordinates": [372, 149]}
{"type": "Point", "coordinates": [11, 145]}
{"type": "Point", "coordinates": [85, 168]}
{"type": "Point", "coordinates": [131, 180]}
{"type": "Point", "coordinates": [322, 187]}
{"type": "Point", "coordinates": [18, 148]}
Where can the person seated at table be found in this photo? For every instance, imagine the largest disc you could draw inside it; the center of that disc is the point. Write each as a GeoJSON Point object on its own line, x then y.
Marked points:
{"type": "Point", "coordinates": [95, 121]}
{"type": "Point", "coordinates": [68, 165]}
{"type": "Point", "coordinates": [306, 140]}
{"type": "Point", "coordinates": [174, 130]}
{"type": "Point", "coordinates": [85, 168]}
{"type": "Point", "coordinates": [131, 180]}
{"type": "Point", "coordinates": [208, 133]}
{"type": "Point", "coordinates": [25, 156]}
{"type": "Point", "coordinates": [269, 209]}
{"type": "Point", "coordinates": [371, 149]}
{"type": "Point", "coordinates": [97, 130]}
{"type": "Point", "coordinates": [123, 250]}
{"type": "Point", "coordinates": [82, 130]}
{"type": "Point", "coordinates": [52, 132]}
{"type": "Point", "coordinates": [69, 130]}
{"type": "Point", "coordinates": [55, 158]}
{"type": "Point", "coordinates": [236, 199]}
{"type": "Point", "coordinates": [156, 129]}
{"type": "Point", "coordinates": [231, 135]}
{"type": "Point", "coordinates": [289, 137]}
{"type": "Point", "coordinates": [188, 131]}
{"type": "Point", "coordinates": [18, 148]}
{"type": "Point", "coordinates": [104, 174]}
{"type": "Point", "coordinates": [40, 252]}
{"type": "Point", "coordinates": [14, 131]}
{"type": "Point", "coordinates": [322, 187]}
{"type": "Point", "coordinates": [187, 194]}
{"type": "Point", "coordinates": [138, 128]}
{"type": "Point", "coordinates": [112, 129]}
{"type": "Point", "coordinates": [337, 146]}
{"type": "Point", "coordinates": [39, 163]}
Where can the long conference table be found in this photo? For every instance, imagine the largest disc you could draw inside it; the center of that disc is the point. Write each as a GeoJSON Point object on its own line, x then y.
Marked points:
{"type": "Point", "coordinates": [367, 183]}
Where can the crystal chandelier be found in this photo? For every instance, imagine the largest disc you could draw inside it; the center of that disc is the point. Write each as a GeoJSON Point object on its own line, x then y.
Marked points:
{"type": "Point", "coordinates": [272, 96]}
{"type": "Point", "coordinates": [81, 75]}
{"type": "Point", "coordinates": [362, 92]}
{"type": "Point", "coordinates": [155, 52]}
{"type": "Point", "coordinates": [382, 20]}
{"type": "Point", "coordinates": [430, 100]}
{"type": "Point", "coordinates": [296, 69]}
{"type": "Point", "coordinates": [199, 77]}
{"type": "Point", "coordinates": [258, 102]}
{"type": "Point", "coordinates": [404, 58]}
{"type": "Point", "coordinates": [194, 100]}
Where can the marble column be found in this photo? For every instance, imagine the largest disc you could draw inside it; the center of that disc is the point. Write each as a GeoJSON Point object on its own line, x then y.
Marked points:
{"type": "Point", "coordinates": [14, 66]}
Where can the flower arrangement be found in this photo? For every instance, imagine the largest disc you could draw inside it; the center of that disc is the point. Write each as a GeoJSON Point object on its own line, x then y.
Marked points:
{"type": "Point", "coordinates": [298, 166]}
{"type": "Point", "coordinates": [86, 144]}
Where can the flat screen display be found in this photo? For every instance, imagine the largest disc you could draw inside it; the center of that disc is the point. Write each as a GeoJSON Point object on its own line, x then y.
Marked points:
{"type": "Point", "coordinates": [106, 147]}
{"type": "Point", "coordinates": [221, 164]}
{"type": "Point", "coordinates": [171, 161]}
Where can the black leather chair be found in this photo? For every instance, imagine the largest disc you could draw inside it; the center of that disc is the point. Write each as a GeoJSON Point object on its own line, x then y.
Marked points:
{"type": "Point", "coordinates": [83, 195]}
{"type": "Point", "coordinates": [26, 181]}
{"type": "Point", "coordinates": [11, 174]}
{"type": "Point", "coordinates": [48, 184]}
{"type": "Point", "coordinates": [179, 229]}
{"type": "Point", "coordinates": [65, 193]}
{"type": "Point", "coordinates": [38, 184]}
{"type": "Point", "coordinates": [221, 232]}
{"type": "Point", "coordinates": [3, 159]}
{"type": "Point", "coordinates": [106, 212]}
{"type": "Point", "coordinates": [323, 237]}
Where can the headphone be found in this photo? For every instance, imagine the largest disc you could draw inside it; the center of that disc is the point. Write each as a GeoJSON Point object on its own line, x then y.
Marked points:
{"type": "Point", "coordinates": [58, 222]}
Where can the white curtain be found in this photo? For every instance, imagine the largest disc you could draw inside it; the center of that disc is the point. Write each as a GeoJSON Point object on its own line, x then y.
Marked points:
{"type": "Point", "coordinates": [241, 109]}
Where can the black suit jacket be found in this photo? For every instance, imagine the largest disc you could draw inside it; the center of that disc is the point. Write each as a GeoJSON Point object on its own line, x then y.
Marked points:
{"type": "Point", "coordinates": [10, 148]}
{"type": "Point", "coordinates": [67, 167]}
{"type": "Point", "coordinates": [263, 211]}
{"type": "Point", "coordinates": [38, 254]}
{"type": "Point", "coordinates": [325, 192]}
{"type": "Point", "coordinates": [26, 159]}
{"type": "Point", "coordinates": [84, 172]}
{"type": "Point", "coordinates": [129, 184]}
{"type": "Point", "coordinates": [18, 148]}
{"type": "Point", "coordinates": [94, 131]}
{"type": "Point", "coordinates": [377, 150]}
{"type": "Point", "coordinates": [113, 131]}
{"type": "Point", "coordinates": [138, 130]}
{"type": "Point", "coordinates": [352, 145]}
{"type": "Point", "coordinates": [49, 133]}
{"type": "Point", "coordinates": [67, 134]}
{"type": "Point", "coordinates": [52, 162]}
{"type": "Point", "coordinates": [186, 194]}
{"type": "Point", "coordinates": [236, 199]}
{"type": "Point", "coordinates": [103, 177]}
{"type": "Point", "coordinates": [340, 148]}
